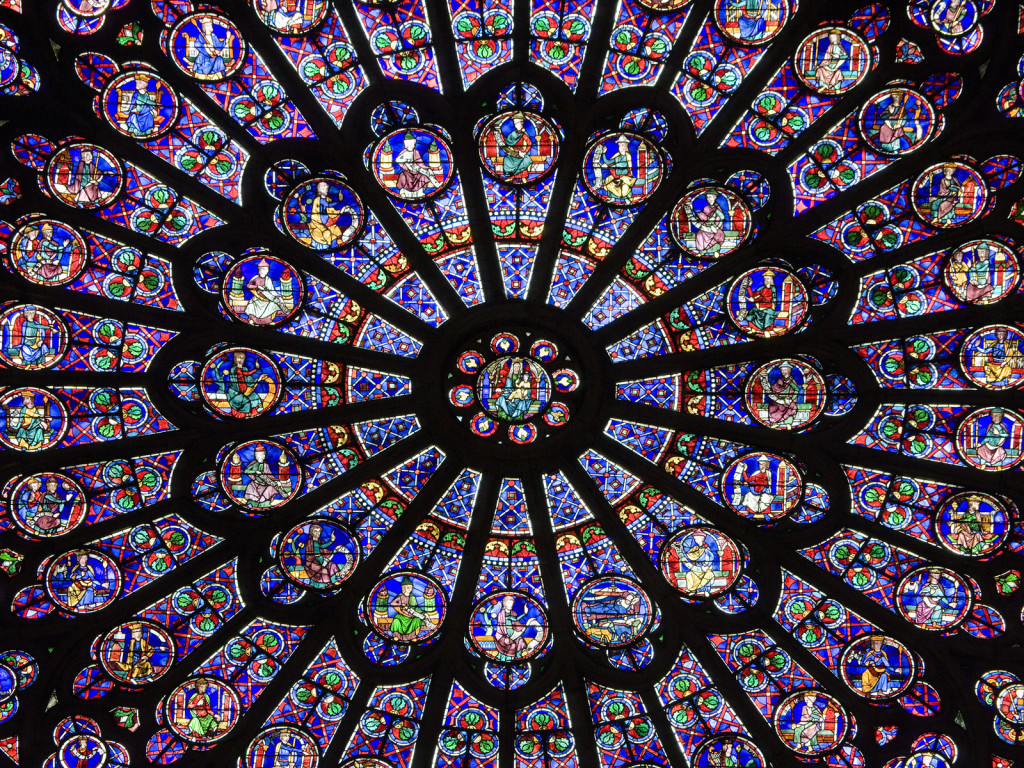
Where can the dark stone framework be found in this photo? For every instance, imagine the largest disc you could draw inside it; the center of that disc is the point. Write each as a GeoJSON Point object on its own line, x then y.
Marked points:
{"type": "Point", "coordinates": [62, 107]}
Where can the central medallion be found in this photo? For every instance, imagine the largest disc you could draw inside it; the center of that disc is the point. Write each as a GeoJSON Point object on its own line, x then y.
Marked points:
{"type": "Point", "coordinates": [514, 389]}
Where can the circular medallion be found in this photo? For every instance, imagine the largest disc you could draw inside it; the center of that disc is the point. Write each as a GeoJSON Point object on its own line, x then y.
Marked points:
{"type": "Point", "coordinates": [501, 386]}
{"type": "Point", "coordinates": [240, 383]}
{"type": "Point", "coordinates": [611, 612]}
{"type": "Point", "coordinates": [140, 104]}
{"type": "Point", "coordinates": [622, 169]}
{"type": "Point", "coordinates": [24, 668]}
{"type": "Point", "coordinates": [323, 214]}
{"type": "Point", "coordinates": [1010, 703]}
{"type": "Point", "coordinates": [710, 222]}
{"type": "Point", "coordinates": [318, 553]}
{"type": "Point", "coordinates": [202, 710]}
{"type": "Point", "coordinates": [981, 272]}
{"type": "Point", "coordinates": [513, 389]}
{"type": "Point", "coordinates": [31, 337]}
{"type": "Point", "coordinates": [878, 667]}
{"type": "Point", "coordinates": [762, 486]}
{"type": "Point", "coordinates": [508, 626]}
{"type": "Point", "coordinates": [518, 147]}
{"type": "Point", "coordinates": [897, 121]}
{"type": "Point", "coordinates": [701, 562]}
{"type": "Point", "coordinates": [260, 475]}
{"type": "Point", "coordinates": [282, 746]}
{"type": "Point", "coordinates": [973, 524]}
{"type": "Point", "coordinates": [953, 18]}
{"type": "Point", "coordinates": [728, 751]}
{"type": "Point", "coordinates": [950, 195]}
{"type": "Point", "coordinates": [413, 163]}
{"type": "Point", "coordinates": [48, 252]}
{"type": "Point", "coordinates": [207, 46]}
{"type": "Point", "coordinates": [137, 652]}
{"type": "Point", "coordinates": [785, 394]}
{"type": "Point", "coordinates": [83, 750]}
{"type": "Point", "coordinates": [90, 9]}
{"type": "Point", "coordinates": [10, 67]}
{"type": "Point", "coordinates": [83, 581]}
{"type": "Point", "coordinates": [263, 290]}
{"type": "Point", "coordinates": [751, 23]}
{"type": "Point", "coordinates": [990, 439]}
{"type": "Point", "coordinates": [933, 598]}
{"type": "Point", "coordinates": [8, 683]}
{"type": "Point", "coordinates": [47, 504]}
{"type": "Point", "coordinates": [84, 176]}
{"type": "Point", "coordinates": [993, 357]}
{"type": "Point", "coordinates": [767, 301]}
{"type": "Point", "coordinates": [504, 344]}
{"type": "Point", "coordinates": [406, 607]}
{"type": "Point", "coordinates": [291, 18]}
{"type": "Point", "coordinates": [664, 6]}
{"type": "Point", "coordinates": [470, 362]}
{"type": "Point", "coordinates": [832, 60]}
{"type": "Point", "coordinates": [811, 722]}
{"type": "Point", "coordinates": [31, 419]}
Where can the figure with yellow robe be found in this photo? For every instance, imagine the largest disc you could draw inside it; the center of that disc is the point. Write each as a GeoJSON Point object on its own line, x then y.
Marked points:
{"type": "Point", "coordinates": [325, 226]}
{"type": "Point", "coordinates": [697, 564]}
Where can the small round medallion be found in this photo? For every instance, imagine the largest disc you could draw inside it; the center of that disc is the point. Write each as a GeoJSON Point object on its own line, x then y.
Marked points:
{"type": "Point", "coordinates": [897, 121]}
{"type": "Point", "coordinates": [137, 652]}
{"type": "Point", "coordinates": [83, 581]}
{"type": "Point", "coordinates": [413, 163]}
{"type": "Point", "coordinates": [260, 475]}
{"type": "Point", "coordinates": [710, 222]}
{"type": "Point", "coordinates": [203, 710]}
{"type": "Point", "coordinates": [263, 290]}
{"type": "Point", "coordinates": [768, 301]}
{"type": "Point", "coordinates": [207, 46]}
{"type": "Point", "coordinates": [933, 598]}
{"type": "Point", "coordinates": [140, 104]}
{"type": "Point", "coordinates": [611, 612]}
{"type": "Point", "coordinates": [48, 504]}
{"type": "Point", "coordinates": [701, 562]}
{"type": "Point", "coordinates": [993, 357]}
{"type": "Point", "coordinates": [508, 626]}
{"type": "Point", "coordinates": [518, 147]}
{"type": "Point", "coordinates": [323, 214]}
{"type": "Point", "coordinates": [878, 667]}
{"type": "Point", "coordinates": [950, 195]}
{"type": "Point", "coordinates": [291, 18]}
{"type": "Point", "coordinates": [622, 169]}
{"type": "Point", "coordinates": [48, 252]}
{"type": "Point", "coordinates": [785, 394]}
{"type": "Point", "coordinates": [84, 176]}
{"type": "Point", "coordinates": [832, 60]}
{"type": "Point", "coordinates": [991, 438]}
{"type": "Point", "coordinates": [981, 272]}
{"type": "Point", "coordinates": [973, 524]}
{"type": "Point", "coordinates": [319, 554]}
{"type": "Point", "coordinates": [762, 486]}
{"type": "Point", "coordinates": [749, 23]}
{"type": "Point", "coordinates": [407, 607]}
{"type": "Point", "coordinates": [240, 383]}
{"type": "Point", "coordinates": [811, 722]}
{"type": "Point", "coordinates": [31, 337]}
{"type": "Point", "coordinates": [31, 419]}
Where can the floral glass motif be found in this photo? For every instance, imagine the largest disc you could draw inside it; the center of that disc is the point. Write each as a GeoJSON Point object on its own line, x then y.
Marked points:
{"type": "Point", "coordinates": [511, 383]}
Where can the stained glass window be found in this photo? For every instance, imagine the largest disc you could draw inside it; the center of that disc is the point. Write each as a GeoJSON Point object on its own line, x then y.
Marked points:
{"type": "Point", "coordinates": [511, 383]}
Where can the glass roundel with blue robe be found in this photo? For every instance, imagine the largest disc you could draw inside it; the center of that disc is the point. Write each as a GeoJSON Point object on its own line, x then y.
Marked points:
{"type": "Point", "coordinates": [511, 383]}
